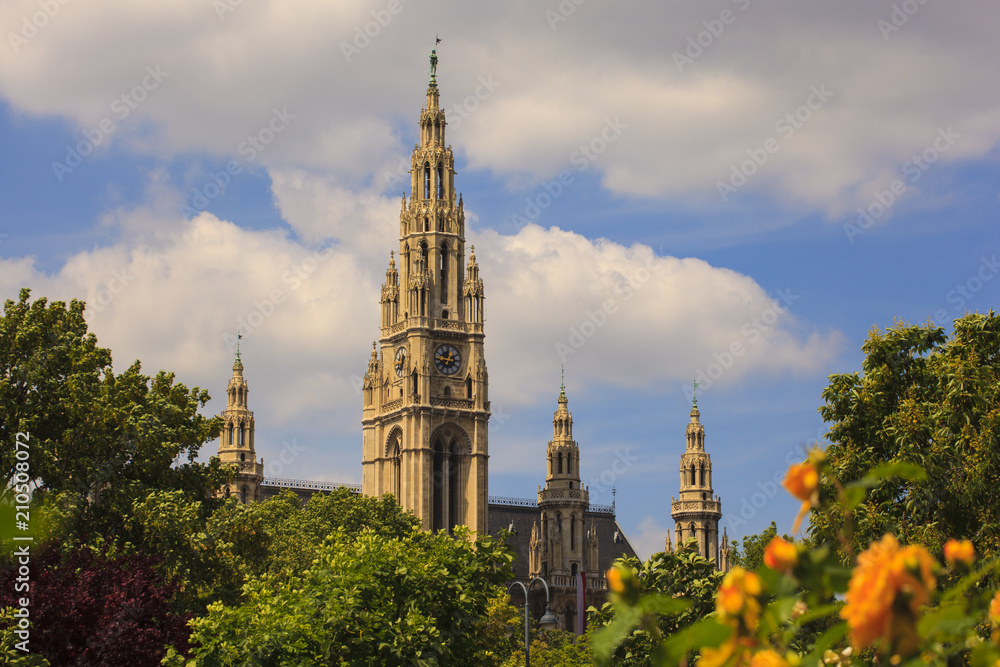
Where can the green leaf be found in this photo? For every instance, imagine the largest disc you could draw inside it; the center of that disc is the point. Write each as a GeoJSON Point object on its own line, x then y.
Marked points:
{"type": "Point", "coordinates": [706, 633]}
{"type": "Point", "coordinates": [908, 471]}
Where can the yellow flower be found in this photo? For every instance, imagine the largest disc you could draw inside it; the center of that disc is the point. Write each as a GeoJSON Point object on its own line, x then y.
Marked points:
{"type": "Point", "coordinates": [735, 645]}
{"type": "Point", "coordinates": [959, 552]}
{"type": "Point", "coordinates": [885, 594]}
{"type": "Point", "coordinates": [767, 658]}
{"type": "Point", "coordinates": [781, 555]}
{"type": "Point", "coordinates": [716, 657]}
{"type": "Point", "coordinates": [738, 597]}
{"type": "Point", "coordinates": [615, 580]}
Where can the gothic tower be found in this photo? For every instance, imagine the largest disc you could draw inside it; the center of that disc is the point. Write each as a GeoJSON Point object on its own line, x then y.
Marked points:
{"type": "Point", "coordinates": [236, 447]}
{"type": "Point", "coordinates": [425, 402]}
{"type": "Point", "coordinates": [562, 547]}
{"type": "Point", "coordinates": [697, 513]}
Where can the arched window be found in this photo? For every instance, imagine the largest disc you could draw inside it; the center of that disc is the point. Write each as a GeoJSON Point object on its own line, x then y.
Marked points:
{"type": "Point", "coordinates": [394, 464]}
{"type": "Point", "coordinates": [560, 464]}
{"type": "Point", "coordinates": [232, 440]}
{"type": "Point", "coordinates": [444, 272]}
{"type": "Point", "coordinates": [440, 182]}
{"type": "Point", "coordinates": [427, 180]}
{"type": "Point", "coordinates": [243, 435]}
{"type": "Point", "coordinates": [573, 569]}
{"type": "Point", "coordinates": [427, 224]}
{"type": "Point", "coordinates": [703, 474]}
{"type": "Point", "coordinates": [243, 457]}
{"type": "Point", "coordinates": [569, 464]}
{"type": "Point", "coordinates": [447, 391]}
{"type": "Point", "coordinates": [572, 532]}
{"type": "Point", "coordinates": [243, 495]}
{"type": "Point", "coordinates": [693, 482]}
{"type": "Point", "coordinates": [468, 388]}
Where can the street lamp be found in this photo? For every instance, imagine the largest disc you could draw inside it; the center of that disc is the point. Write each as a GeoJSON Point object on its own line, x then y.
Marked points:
{"type": "Point", "coordinates": [547, 621]}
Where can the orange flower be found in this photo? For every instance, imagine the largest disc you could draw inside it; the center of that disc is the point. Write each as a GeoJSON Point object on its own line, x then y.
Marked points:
{"type": "Point", "coordinates": [802, 481]}
{"type": "Point", "coordinates": [767, 658]}
{"type": "Point", "coordinates": [615, 580]}
{"type": "Point", "coordinates": [959, 552]}
{"type": "Point", "coordinates": [994, 615]}
{"type": "Point", "coordinates": [737, 598]}
{"type": "Point", "coordinates": [781, 555]}
{"type": "Point", "coordinates": [885, 594]}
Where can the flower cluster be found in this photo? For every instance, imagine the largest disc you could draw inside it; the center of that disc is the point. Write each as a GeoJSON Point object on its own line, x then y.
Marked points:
{"type": "Point", "coordinates": [887, 603]}
{"type": "Point", "coordinates": [738, 605]}
{"type": "Point", "coordinates": [885, 594]}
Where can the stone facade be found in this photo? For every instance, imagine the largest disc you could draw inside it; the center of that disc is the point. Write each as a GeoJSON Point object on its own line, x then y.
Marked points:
{"type": "Point", "coordinates": [236, 443]}
{"type": "Point", "coordinates": [425, 402]}
{"type": "Point", "coordinates": [426, 410]}
{"type": "Point", "coordinates": [696, 514]}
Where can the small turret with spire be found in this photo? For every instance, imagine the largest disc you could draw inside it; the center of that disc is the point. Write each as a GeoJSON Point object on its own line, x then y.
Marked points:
{"type": "Point", "coordinates": [236, 443]}
{"type": "Point", "coordinates": [563, 502]}
{"type": "Point", "coordinates": [696, 514]}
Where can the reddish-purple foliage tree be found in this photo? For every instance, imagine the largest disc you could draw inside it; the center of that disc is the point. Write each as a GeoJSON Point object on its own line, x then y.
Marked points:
{"type": "Point", "coordinates": [91, 609]}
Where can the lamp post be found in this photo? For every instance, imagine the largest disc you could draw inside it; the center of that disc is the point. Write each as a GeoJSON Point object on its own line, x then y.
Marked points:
{"type": "Point", "coordinates": [547, 621]}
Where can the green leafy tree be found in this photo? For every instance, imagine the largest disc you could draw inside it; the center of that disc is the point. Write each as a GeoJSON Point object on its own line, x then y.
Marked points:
{"type": "Point", "coordinates": [109, 439]}
{"type": "Point", "coordinates": [423, 599]}
{"type": "Point", "coordinates": [751, 555]}
{"type": "Point", "coordinates": [555, 648]}
{"type": "Point", "coordinates": [664, 579]}
{"type": "Point", "coordinates": [295, 531]}
{"type": "Point", "coordinates": [927, 399]}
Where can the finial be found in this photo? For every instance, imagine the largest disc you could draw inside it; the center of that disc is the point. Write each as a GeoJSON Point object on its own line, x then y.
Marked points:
{"type": "Point", "coordinates": [613, 492]}
{"type": "Point", "coordinates": [694, 395]}
{"type": "Point", "coordinates": [239, 336]}
{"type": "Point", "coordinates": [434, 64]}
{"type": "Point", "coordinates": [392, 255]}
{"type": "Point", "coordinates": [562, 387]}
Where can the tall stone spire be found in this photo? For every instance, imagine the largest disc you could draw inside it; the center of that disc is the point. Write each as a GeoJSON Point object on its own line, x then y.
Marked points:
{"type": "Point", "coordinates": [236, 443]}
{"type": "Point", "coordinates": [563, 502]}
{"type": "Point", "coordinates": [696, 514]}
{"type": "Point", "coordinates": [426, 400]}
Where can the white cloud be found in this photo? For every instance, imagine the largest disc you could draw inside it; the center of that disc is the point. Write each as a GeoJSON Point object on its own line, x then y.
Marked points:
{"type": "Point", "coordinates": [649, 539]}
{"type": "Point", "coordinates": [171, 291]}
{"type": "Point", "coordinates": [555, 87]}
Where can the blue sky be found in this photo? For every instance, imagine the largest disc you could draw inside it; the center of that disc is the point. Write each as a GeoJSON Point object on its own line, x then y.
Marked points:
{"type": "Point", "coordinates": [714, 158]}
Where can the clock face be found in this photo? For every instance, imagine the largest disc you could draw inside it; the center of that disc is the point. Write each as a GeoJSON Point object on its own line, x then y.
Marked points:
{"type": "Point", "coordinates": [448, 359]}
{"type": "Point", "coordinates": [400, 361]}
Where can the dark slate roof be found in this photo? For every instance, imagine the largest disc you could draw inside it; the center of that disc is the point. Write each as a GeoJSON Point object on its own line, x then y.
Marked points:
{"type": "Point", "coordinates": [501, 516]}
